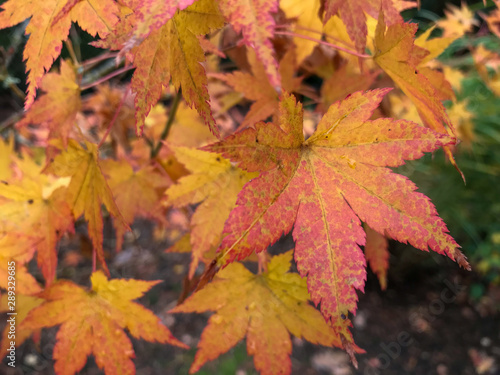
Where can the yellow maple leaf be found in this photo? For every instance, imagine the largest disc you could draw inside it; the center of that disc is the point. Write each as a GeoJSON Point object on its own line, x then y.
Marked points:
{"type": "Point", "coordinates": [264, 308]}
{"type": "Point", "coordinates": [458, 21]}
{"type": "Point", "coordinates": [87, 190]}
{"type": "Point", "coordinates": [215, 182]}
{"type": "Point", "coordinates": [34, 208]}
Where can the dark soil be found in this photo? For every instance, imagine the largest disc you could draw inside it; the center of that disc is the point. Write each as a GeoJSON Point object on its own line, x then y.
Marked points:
{"type": "Point", "coordinates": [424, 323]}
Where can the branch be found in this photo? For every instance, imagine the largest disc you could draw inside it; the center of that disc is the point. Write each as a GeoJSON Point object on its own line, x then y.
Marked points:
{"type": "Point", "coordinates": [354, 53]}
{"type": "Point", "coordinates": [168, 125]}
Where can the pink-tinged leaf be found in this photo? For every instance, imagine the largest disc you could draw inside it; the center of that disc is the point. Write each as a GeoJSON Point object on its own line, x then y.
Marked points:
{"type": "Point", "coordinates": [174, 52]}
{"type": "Point", "coordinates": [324, 187]}
{"type": "Point", "coordinates": [254, 19]}
{"type": "Point", "coordinates": [153, 14]}
{"type": "Point", "coordinates": [352, 13]}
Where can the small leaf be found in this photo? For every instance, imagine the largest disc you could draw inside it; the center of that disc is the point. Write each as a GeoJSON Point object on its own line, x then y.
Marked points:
{"type": "Point", "coordinates": [264, 308]}
{"type": "Point", "coordinates": [93, 322]}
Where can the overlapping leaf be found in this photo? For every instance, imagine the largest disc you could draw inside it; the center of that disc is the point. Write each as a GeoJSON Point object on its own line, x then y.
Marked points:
{"type": "Point", "coordinates": [49, 26]}
{"type": "Point", "coordinates": [352, 13]}
{"type": "Point", "coordinates": [19, 250]}
{"type": "Point", "coordinates": [172, 51]}
{"type": "Point", "coordinates": [88, 189]}
{"type": "Point", "coordinates": [324, 187]}
{"type": "Point", "coordinates": [23, 305]}
{"type": "Point", "coordinates": [256, 87]}
{"type": "Point", "coordinates": [93, 322]}
{"type": "Point", "coordinates": [59, 106]}
{"type": "Point", "coordinates": [397, 54]}
{"type": "Point", "coordinates": [35, 210]}
{"type": "Point", "coordinates": [264, 308]}
{"type": "Point", "coordinates": [137, 193]}
{"type": "Point", "coordinates": [254, 19]}
{"type": "Point", "coordinates": [215, 182]}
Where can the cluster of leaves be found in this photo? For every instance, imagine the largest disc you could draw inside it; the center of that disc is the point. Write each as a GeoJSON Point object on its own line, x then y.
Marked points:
{"type": "Point", "coordinates": [320, 172]}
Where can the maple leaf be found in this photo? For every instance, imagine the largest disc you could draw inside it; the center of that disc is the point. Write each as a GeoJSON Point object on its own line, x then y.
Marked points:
{"type": "Point", "coordinates": [264, 308]}
{"type": "Point", "coordinates": [136, 193]}
{"type": "Point", "coordinates": [493, 19]}
{"type": "Point", "coordinates": [35, 209]}
{"type": "Point", "coordinates": [458, 21]}
{"type": "Point", "coordinates": [153, 14]}
{"type": "Point", "coordinates": [398, 56]}
{"type": "Point", "coordinates": [377, 254]}
{"type": "Point", "coordinates": [23, 305]}
{"type": "Point", "coordinates": [20, 250]}
{"type": "Point", "coordinates": [257, 87]}
{"type": "Point", "coordinates": [324, 187]}
{"type": "Point", "coordinates": [306, 16]}
{"type": "Point", "coordinates": [352, 13]}
{"type": "Point", "coordinates": [215, 182]}
{"type": "Point", "coordinates": [174, 52]}
{"type": "Point", "coordinates": [342, 82]}
{"type": "Point", "coordinates": [254, 19]}
{"type": "Point", "coordinates": [59, 106]}
{"type": "Point", "coordinates": [92, 322]}
{"type": "Point", "coordinates": [87, 190]}
{"type": "Point", "coordinates": [48, 27]}
{"type": "Point", "coordinates": [6, 150]}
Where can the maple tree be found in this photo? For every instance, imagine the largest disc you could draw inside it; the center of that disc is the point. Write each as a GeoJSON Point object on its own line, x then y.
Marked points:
{"type": "Point", "coordinates": [273, 117]}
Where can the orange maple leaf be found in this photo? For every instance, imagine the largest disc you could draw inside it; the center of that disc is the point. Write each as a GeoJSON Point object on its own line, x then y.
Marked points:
{"type": "Point", "coordinates": [93, 322]}
{"type": "Point", "coordinates": [324, 187]}
{"type": "Point", "coordinates": [137, 193]}
{"type": "Point", "coordinates": [264, 308]}
{"type": "Point", "coordinates": [22, 305]}
{"type": "Point", "coordinates": [20, 250]}
{"type": "Point", "coordinates": [59, 106]}
{"type": "Point", "coordinates": [397, 54]}
{"type": "Point", "coordinates": [258, 88]}
{"type": "Point", "coordinates": [48, 27]}
{"type": "Point", "coordinates": [87, 190]}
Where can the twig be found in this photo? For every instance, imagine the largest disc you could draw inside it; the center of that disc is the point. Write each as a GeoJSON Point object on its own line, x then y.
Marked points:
{"type": "Point", "coordinates": [168, 125]}
{"type": "Point", "coordinates": [107, 77]}
{"type": "Point", "coordinates": [338, 40]}
{"type": "Point", "coordinates": [362, 55]}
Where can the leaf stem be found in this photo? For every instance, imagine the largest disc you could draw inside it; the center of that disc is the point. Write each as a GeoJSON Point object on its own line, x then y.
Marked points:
{"type": "Point", "coordinates": [115, 116]}
{"type": "Point", "coordinates": [69, 46]}
{"type": "Point", "coordinates": [354, 53]}
{"type": "Point", "coordinates": [168, 125]}
{"type": "Point", "coordinates": [303, 28]}
{"type": "Point", "coordinates": [87, 64]}
{"type": "Point", "coordinates": [107, 77]}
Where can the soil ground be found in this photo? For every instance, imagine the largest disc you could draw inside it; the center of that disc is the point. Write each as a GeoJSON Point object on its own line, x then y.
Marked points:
{"type": "Point", "coordinates": [424, 323]}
